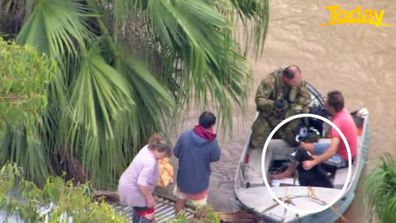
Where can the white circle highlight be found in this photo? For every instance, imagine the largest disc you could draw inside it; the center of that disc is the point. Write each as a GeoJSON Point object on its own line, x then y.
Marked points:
{"type": "Point", "coordinates": [348, 178]}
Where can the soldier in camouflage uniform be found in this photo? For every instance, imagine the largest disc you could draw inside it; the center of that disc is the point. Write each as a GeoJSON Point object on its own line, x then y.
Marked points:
{"type": "Point", "coordinates": [280, 95]}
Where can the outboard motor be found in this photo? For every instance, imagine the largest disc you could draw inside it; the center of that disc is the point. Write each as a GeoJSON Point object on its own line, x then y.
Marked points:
{"type": "Point", "coordinates": [317, 123]}
{"type": "Point", "coordinates": [307, 134]}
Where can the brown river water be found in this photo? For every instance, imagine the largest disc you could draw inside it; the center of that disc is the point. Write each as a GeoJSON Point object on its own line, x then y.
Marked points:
{"type": "Point", "coordinates": [359, 60]}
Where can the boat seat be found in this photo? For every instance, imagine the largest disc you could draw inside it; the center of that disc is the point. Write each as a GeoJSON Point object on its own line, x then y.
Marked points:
{"type": "Point", "coordinates": [253, 175]}
{"type": "Point", "coordinates": [333, 163]}
{"type": "Point", "coordinates": [341, 175]}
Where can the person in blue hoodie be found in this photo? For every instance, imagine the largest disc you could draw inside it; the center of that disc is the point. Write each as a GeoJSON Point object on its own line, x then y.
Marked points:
{"type": "Point", "coordinates": [195, 149]}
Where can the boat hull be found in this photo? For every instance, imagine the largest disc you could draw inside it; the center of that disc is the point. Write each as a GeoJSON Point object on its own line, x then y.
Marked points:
{"type": "Point", "coordinates": [251, 195]}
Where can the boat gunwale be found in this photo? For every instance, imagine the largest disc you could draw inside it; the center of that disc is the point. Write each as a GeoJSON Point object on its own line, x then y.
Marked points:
{"type": "Point", "coordinates": [350, 190]}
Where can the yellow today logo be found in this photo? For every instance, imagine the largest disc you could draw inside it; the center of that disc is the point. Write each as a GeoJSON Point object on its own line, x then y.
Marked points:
{"type": "Point", "coordinates": [355, 16]}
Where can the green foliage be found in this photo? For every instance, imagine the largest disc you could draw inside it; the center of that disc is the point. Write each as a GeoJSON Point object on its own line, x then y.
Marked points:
{"type": "Point", "coordinates": [25, 74]}
{"type": "Point", "coordinates": [192, 42]}
{"type": "Point", "coordinates": [208, 216]}
{"type": "Point", "coordinates": [22, 198]}
{"type": "Point", "coordinates": [380, 190]}
{"type": "Point", "coordinates": [126, 69]}
{"type": "Point", "coordinates": [25, 77]}
{"type": "Point", "coordinates": [17, 196]}
{"type": "Point", "coordinates": [56, 27]}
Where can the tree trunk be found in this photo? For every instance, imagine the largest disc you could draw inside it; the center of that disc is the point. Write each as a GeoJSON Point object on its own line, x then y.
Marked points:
{"type": "Point", "coordinates": [65, 162]}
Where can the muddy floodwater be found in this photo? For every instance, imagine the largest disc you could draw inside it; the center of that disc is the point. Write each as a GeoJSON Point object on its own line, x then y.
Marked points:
{"type": "Point", "coordinates": [359, 60]}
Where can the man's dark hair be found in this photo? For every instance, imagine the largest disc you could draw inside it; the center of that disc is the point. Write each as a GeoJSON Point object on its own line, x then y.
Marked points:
{"type": "Point", "coordinates": [335, 100]}
{"type": "Point", "coordinates": [291, 71]}
{"type": "Point", "coordinates": [207, 119]}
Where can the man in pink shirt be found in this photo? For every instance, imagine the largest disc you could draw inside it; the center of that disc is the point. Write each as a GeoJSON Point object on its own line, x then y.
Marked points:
{"type": "Point", "coordinates": [335, 152]}
{"type": "Point", "coordinates": [331, 150]}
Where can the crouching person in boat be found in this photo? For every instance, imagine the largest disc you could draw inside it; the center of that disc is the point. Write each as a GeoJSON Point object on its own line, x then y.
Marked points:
{"type": "Point", "coordinates": [280, 95]}
{"type": "Point", "coordinates": [137, 183]}
{"type": "Point", "coordinates": [332, 151]}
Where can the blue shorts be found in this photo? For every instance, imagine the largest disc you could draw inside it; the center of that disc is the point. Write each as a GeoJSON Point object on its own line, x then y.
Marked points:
{"type": "Point", "coordinates": [335, 160]}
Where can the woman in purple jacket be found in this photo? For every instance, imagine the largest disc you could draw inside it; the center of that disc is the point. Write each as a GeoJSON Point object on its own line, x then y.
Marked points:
{"type": "Point", "coordinates": [138, 181]}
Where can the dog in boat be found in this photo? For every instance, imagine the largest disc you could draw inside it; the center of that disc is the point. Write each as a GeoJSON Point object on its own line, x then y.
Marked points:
{"type": "Point", "coordinates": [315, 177]}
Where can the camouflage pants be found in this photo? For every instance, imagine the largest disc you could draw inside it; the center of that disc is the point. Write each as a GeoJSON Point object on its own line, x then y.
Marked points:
{"type": "Point", "coordinates": [262, 127]}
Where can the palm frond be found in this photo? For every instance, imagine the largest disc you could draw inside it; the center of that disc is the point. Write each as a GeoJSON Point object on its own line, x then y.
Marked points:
{"type": "Point", "coordinates": [192, 46]}
{"type": "Point", "coordinates": [25, 76]}
{"type": "Point", "coordinates": [23, 146]}
{"type": "Point", "coordinates": [108, 96]}
{"type": "Point", "coordinates": [201, 58]}
{"type": "Point", "coordinates": [254, 15]}
{"type": "Point", "coordinates": [102, 121]}
{"type": "Point", "coordinates": [146, 86]}
{"type": "Point", "coordinates": [100, 93]}
{"type": "Point", "coordinates": [56, 27]}
{"type": "Point", "coordinates": [390, 210]}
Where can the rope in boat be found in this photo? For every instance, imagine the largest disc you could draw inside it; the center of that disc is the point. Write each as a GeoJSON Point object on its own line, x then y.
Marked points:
{"type": "Point", "coordinates": [343, 218]}
{"type": "Point", "coordinates": [310, 194]}
{"type": "Point", "coordinates": [254, 170]}
{"type": "Point", "coordinates": [288, 201]}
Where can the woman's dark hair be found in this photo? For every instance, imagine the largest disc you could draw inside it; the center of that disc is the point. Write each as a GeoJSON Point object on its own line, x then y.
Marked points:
{"type": "Point", "coordinates": [335, 100]}
{"type": "Point", "coordinates": [207, 119]}
{"type": "Point", "coordinates": [157, 142]}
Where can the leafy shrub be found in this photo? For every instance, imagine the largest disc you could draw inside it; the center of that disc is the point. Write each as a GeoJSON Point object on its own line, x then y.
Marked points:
{"type": "Point", "coordinates": [380, 190]}
{"type": "Point", "coordinates": [210, 216]}
{"type": "Point", "coordinates": [64, 200]}
{"type": "Point", "coordinates": [25, 75]}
